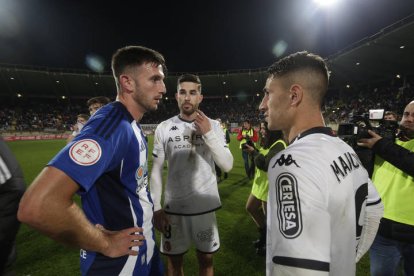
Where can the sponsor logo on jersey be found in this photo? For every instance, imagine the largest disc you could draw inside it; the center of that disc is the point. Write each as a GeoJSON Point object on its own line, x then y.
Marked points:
{"type": "Point", "coordinates": [85, 152]}
{"type": "Point", "coordinates": [344, 164]}
{"type": "Point", "coordinates": [186, 138]}
{"type": "Point", "coordinates": [139, 173]}
{"type": "Point", "coordinates": [289, 212]}
{"type": "Point", "coordinates": [285, 161]}
{"type": "Point", "coordinates": [173, 128]}
{"type": "Point", "coordinates": [205, 235]}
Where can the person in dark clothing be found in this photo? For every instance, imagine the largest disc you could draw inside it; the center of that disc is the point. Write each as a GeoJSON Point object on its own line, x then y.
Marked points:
{"type": "Point", "coordinates": [12, 187]}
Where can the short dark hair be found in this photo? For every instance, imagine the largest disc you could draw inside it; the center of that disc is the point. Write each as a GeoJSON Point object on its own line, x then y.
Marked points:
{"type": "Point", "coordinates": [189, 78]}
{"type": "Point", "coordinates": [134, 56]}
{"type": "Point", "coordinates": [303, 62]}
{"type": "Point", "coordinates": [83, 116]}
{"type": "Point", "coordinates": [100, 100]}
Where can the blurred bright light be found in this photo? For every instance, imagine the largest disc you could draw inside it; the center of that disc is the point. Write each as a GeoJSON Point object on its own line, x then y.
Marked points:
{"type": "Point", "coordinates": [63, 97]}
{"type": "Point", "coordinates": [398, 76]}
{"type": "Point", "coordinates": [19, 95]}
{"type": "Point", "coordinates": [402, 47]}
{"type": "Point", "coordinates": [325, 3]}
{"type": "Point", "coordinates": [280, 48]}
{"type": "Point", "coordinates": [95, 63]}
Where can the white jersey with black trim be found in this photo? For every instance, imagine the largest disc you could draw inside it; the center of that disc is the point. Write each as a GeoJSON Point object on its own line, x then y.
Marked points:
{"type": "Point", "coordinates": [318, 192]}
{"type": "Point", "coordinates": [191, 186]}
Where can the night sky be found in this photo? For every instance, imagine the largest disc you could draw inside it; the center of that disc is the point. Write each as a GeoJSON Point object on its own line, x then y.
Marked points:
{"type": "Point", "coordinates": [194, 36]}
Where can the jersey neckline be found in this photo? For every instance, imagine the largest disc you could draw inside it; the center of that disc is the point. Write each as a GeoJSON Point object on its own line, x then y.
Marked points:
{"type": "Point", "coordinates": [314, 130]}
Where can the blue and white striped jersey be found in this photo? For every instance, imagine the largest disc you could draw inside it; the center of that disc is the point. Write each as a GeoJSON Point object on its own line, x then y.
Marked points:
{"type": "Point", "coordinates": [108, 159]}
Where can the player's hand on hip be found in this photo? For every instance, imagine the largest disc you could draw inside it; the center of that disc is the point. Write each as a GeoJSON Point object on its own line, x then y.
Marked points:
{"type": "Point", "coordinates": [202, 123]}
{"type": "Point", "coordinates": [123, 242]}
{"type": "Point", "coordinates": [161, 221]}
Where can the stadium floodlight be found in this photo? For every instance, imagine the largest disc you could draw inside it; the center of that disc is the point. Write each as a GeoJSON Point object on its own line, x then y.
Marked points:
{"type": "Point", "coordinates": [325, 3]}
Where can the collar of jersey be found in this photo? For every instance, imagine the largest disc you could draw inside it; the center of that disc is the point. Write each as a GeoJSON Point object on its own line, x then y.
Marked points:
{"type": "Point", "coordinates": [179, 117]}
{"type": "Point", "coordinates": [123, 108]}
{"type": "Point", "coordinates": [321, 130]}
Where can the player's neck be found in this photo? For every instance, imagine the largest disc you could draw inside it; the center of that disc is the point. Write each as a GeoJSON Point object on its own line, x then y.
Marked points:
{"type": "Point", "coordinates": [188, 117]}
{"type": "Point", "coordinates": [304, 123]}
{"type": "Point", "coordinates": [133, 109]}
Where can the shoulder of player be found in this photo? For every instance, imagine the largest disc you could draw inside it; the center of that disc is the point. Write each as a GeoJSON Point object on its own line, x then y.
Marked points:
{"type": "Point", "coordinates": [109, 118]}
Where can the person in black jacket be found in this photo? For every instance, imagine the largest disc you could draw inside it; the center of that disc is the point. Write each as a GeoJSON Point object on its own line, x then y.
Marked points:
{"type": "Point", "coordinates": [12, 187]}
{"type": "Point", "coordinates": [393, 177]}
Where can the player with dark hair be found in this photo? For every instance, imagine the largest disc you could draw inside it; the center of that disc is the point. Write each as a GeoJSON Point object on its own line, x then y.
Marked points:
{"type": "Point", "coordinates": [191, 143]}
{"type": "Point", "coordinates": [106, 164]}
{"type": "Point", "coordinates": [97, 102]}
{"type": "Point", "coordinates": [323, 210]}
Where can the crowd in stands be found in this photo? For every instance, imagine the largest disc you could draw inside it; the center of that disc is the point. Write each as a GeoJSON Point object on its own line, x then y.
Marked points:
{"type": "Point", "coordinates": [59, 116]}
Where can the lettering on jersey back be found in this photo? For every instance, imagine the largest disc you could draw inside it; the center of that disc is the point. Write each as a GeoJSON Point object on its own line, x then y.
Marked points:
{"type": "Point", "coordinates": [285, 161]}
{"type": "Point", "coordinates": [345, 164]}
{"type": "Point", "coordinates": [289, 213]}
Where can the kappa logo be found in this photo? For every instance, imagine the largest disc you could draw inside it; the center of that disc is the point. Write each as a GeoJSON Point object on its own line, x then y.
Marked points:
{"type": "Point", "coordinates": [285, 161]}
{"type": "Point", "coordinates": [173, 128]}
{"type": "Point", "coordinates": [85, 152]}
{"type": "Point", "coordinates": [288, 205]}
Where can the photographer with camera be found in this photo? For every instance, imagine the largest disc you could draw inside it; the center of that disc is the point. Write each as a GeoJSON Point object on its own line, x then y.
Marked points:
{"type": "Point", "coordinates": [393, 177]}
{"type": "Point", "coordinates": [247, 135]}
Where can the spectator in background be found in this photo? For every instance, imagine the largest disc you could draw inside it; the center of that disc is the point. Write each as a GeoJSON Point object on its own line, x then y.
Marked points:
{"type": "Point", "coordinates": [107, 165]}
{"type": "Point", "coordinates": [81, 120]}
{"type": "Point", "coordinates": [12, 187]}
{"type": "Point", "coordinates": [227, 138]}
{"type": "Point", "coordinates": [271, 142]}
{"type": "Point", "coordinates": [97, 102]}
{"type": "Point", "coordinates": [390, 116]}
{"type": "Point", "coordinates": [248, 135]}
{"type": "Point", "coordinates": [393, 177]}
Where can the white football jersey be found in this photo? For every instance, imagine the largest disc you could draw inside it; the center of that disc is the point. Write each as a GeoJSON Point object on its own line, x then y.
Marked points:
{"type": "Point", "coordinates": [191, 186]}
{"type": "Point", "coordinates": [318, 190]}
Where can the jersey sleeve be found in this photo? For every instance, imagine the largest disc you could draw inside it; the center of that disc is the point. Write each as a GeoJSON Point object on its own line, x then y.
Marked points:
{"type": "Point", "coordinates": [298, 219]}
{"type": "Point", "coordinates": [158, 148]}
{"type": "Point", "coordinates": [88, 156]}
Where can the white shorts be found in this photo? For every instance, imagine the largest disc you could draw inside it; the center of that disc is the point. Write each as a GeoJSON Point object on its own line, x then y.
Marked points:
{"type": "Point", "coordinates": [201, 229]}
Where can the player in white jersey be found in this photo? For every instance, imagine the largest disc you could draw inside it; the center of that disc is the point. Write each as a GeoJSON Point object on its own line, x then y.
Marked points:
{"type": "Point", "coordinates": [323, 211]}
{"type": "Point", "coordinates": [191, 143]}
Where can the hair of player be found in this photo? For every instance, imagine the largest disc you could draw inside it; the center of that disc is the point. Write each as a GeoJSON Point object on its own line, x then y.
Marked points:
{"type": "Point", "coordinates": [306, 66]}
{"type": "Point", "coordinates": [83, 116]}
{"type": "Point", "coordinates": [134, 56]}
{"type": "Point", "coordinates": [100, 100]}
{"type": "Point", "coordinates": [189, 78]}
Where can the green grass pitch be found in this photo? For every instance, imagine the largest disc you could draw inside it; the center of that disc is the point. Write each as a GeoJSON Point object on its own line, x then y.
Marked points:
{"type": "Point", "coordinates": [39, 255]}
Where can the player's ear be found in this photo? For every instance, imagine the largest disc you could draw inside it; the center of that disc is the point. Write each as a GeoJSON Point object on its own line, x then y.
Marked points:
{"type": "Point", "coordinates": [127, 83]}
{"type": "Point", "coordinates": [296, 94]}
